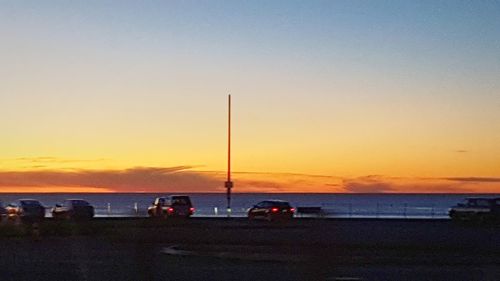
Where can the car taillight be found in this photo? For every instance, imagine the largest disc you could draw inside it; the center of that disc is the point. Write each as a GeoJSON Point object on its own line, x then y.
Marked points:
{"type": "Point", "coordinates": [170, 210]}
{"type": "Point", "coordinates": [292, 210]}
{"type": "Point", "coordinates": [191, 210]}
{"type": "Point", "coordinates": [274, 210]}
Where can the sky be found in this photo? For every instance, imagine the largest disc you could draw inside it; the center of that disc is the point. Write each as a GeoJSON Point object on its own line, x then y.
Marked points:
{"type": "Point", "coordinates": [328, 96]}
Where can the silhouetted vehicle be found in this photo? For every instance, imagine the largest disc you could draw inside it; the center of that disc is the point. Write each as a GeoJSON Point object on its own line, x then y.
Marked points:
{"type": "Point", "coordinates": [26, 210]}
{"type": "Point", "coordinates": [73, 209]}
{"type": "Point", "coordinates": [476, 210]}
{"type": "Point", "coordinates": [271, 210]}
{"type": "Point", "coordinates": [171, 206]}
{"type": "Point", "coordinates": [3, 212]}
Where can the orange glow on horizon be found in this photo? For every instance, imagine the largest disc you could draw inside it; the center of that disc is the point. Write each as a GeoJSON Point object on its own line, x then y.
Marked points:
{"type": "Point", "coordinates": [54, 189]}
{"type": "Point", "coordinates": [184, 180]}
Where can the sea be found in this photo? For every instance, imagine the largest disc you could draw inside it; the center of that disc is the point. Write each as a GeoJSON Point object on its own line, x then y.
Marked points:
{"type": "Point", "coordinates": [351, 205]}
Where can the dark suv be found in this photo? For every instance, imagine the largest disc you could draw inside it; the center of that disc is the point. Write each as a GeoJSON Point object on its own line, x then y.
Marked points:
{"type": "Point", "coordinates": [171, 206]}
{"type": "Point", "coordinates": [3, 212]}
{"type": "Point", "coordinates": [73, 209]}
{"type": "Point", "coordinates": [26, 210]}
{"type": "Point", "coordinates": [271, 210]}
{"type": "Point", "coordinates": [476, 209]}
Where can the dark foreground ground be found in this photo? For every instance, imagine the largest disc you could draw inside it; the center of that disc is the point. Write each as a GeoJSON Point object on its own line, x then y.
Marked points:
{"type": "Point", "coordinates": [219, 249]}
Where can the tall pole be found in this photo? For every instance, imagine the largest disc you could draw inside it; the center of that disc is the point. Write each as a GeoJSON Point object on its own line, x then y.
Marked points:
{"type": "Point", "coordinates": [229, 183]}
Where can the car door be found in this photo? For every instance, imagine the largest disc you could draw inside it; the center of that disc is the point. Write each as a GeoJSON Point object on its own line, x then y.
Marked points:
{"type": "Point", "coordinates": [261, 209]}
{"type": "Point", "coordinates": [254, 211]}
{"type": "Point", "coordinates": [496, 207]}
{"type": "Point", "coordinates": [157, 206]}
{"type": "Point", "coordinates": [12, 210]}
{"type": "Point", "coordinates": [62, 209]}
{"type": "Point", "coordinates": [56, 211]}
{"type": "Point", "coordinates": [67, 208]}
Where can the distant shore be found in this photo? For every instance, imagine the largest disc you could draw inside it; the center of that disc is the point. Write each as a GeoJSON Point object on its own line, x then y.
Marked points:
{"type": "Point", "coordinates": [228, 249]}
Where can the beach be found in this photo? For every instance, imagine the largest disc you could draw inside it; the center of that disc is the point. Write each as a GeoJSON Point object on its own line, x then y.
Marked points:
{"type": "Point", "coordinates": [236, 249]}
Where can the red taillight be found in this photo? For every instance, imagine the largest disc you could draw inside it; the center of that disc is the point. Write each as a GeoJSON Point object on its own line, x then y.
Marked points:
{"type": "Point", "coordinates": [191, 210]}
{"type": "Point", "coordinates": [274, 210]}
{"type": "Point", "coordinates": [170, 210]}
{"type": "Point", "coordinates": [292, 210]}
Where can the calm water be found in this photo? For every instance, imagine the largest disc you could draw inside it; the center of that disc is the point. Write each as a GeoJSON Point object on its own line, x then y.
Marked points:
{"type": "Point", "coordinates": [209, 204]}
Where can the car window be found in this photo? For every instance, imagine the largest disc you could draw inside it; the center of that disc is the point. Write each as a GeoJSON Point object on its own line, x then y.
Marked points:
{"type": "Point", "coordinates": [30, 203]}
{"type": "Point", "coordinates": [260, 205]}
{"type": "Point", "coordinates": [181, 200]}
{"type": "Point", "coordinates": [483, 203]}
{"type": "Point", "coordinates": [79, 203]}
{"type": "Point", "coordinates": [268, 204]}
{"type": "Point", "coordinates": [281, 204]}
{"type": "Point", "coordinates": [160, 201]}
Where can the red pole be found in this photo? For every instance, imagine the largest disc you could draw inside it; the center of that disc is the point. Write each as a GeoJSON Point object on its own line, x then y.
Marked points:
{"type": "Point", "coordinates": [229, 183]}
{"type": "Point", "coordinates": [229, 141]}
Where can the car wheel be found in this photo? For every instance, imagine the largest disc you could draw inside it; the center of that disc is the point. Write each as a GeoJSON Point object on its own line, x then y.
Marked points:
{"type": "Point", "coordinates": [456, 217]}
{"type": "Point", "coordinates": [484, 218]}
{"type": "Point", "coordinates": [452, 215]}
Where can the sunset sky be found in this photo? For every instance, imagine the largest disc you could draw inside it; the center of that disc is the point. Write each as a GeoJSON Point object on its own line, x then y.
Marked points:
{"type": "Point", "coordinates": [328, 96]}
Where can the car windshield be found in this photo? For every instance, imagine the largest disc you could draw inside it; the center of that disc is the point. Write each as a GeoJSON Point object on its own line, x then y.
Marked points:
{"type": "Point", "coordinates": [30, 203]}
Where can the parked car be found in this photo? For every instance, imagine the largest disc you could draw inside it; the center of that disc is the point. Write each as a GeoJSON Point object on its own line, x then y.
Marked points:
{"type": "Point", "coordinates": [26, 209]}
{"type": "Point", "coordinates": [476, 209]}
{"type": "Point", "coordinates": [171, 206]}
{"type": "Point", "coordinates": [3, 212]}
{"type": "Point", "coordinates": [271, 210]}
{"type": "Point", "coordinates": [73, 209]}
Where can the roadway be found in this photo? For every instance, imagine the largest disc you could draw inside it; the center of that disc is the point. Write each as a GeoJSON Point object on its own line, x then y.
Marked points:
{"type": "Point", "coordinates": [235, 249]}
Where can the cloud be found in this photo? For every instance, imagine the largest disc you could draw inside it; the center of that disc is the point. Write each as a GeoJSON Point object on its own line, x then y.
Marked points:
{"type": "Point", "coordinates": [36, 167]}
{"type": "Point", "coordinates": [381, 184]}
{"type": "Point", "coordinates": [286, 182]}
{"type": "Point", "coordinates": [50, 159]}
{"type": "Point", "coordinates": [473, 179]}
{"type": "Point", "coordinates": [130, 180]}
{"type": "Point", "coordinates": [368, 184]}
{"type": "Point", "coordinates": [461, 151]}
{"type": "Point", "coordinates": [163, 179]}
{"type": "Point", "coordinates": [186, 179]}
